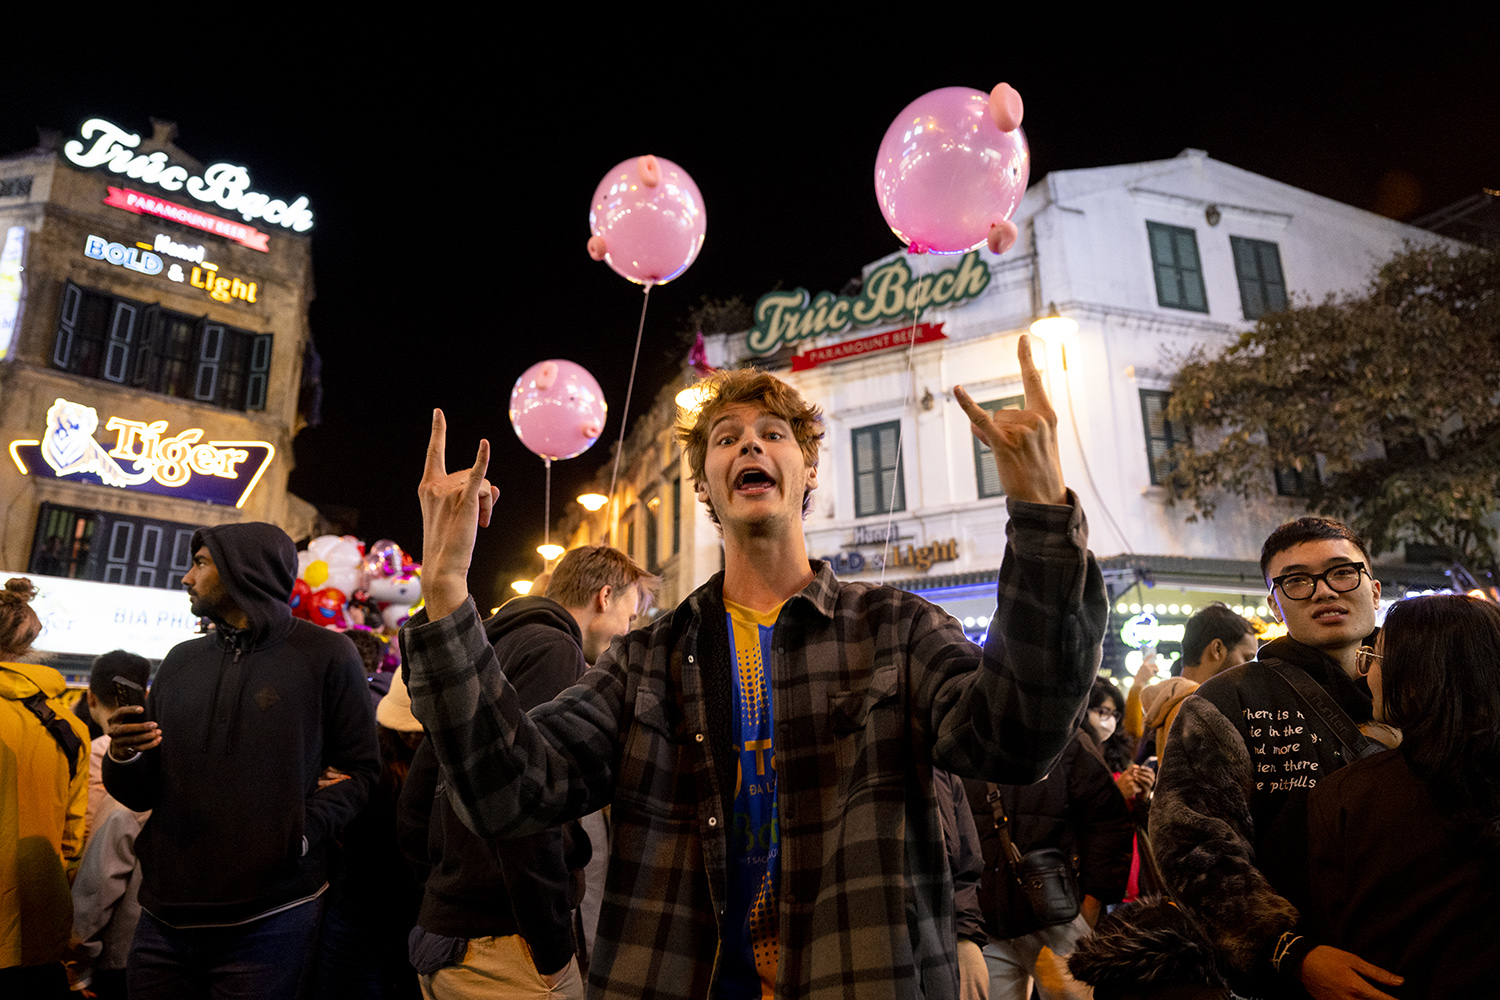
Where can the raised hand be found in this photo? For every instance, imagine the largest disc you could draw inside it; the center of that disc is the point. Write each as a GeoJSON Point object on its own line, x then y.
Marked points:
{"type": "Point", "coordinates": [1024, 442]}
{"type": "Point", "coordinates": [455, 505]}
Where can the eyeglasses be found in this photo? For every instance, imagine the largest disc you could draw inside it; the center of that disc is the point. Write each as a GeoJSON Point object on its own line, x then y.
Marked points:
{"type": "Point", "coordinates": [1301, 586]}
{"type": "Point", "coordinates": [1364, 659]}
{"type": "Point", "coordinates": [1106, 713]}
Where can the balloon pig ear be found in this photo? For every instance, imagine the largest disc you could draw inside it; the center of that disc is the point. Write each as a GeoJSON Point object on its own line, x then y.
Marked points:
{"type": "Point", "coordinates": [1003, 236]}
{"type": "Point", "coordinates": [1005, 107]}
{"type": "Point", "coordinates": [597, 247]}
{"type": "Point", "coordinates": [546, 374]}
{"type": "Point", "coordinates": [649, 169]}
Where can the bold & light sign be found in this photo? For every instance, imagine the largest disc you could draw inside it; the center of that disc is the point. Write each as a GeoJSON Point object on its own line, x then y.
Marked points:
{"type": "Point", "coordinates": [180, 465]}
{"type": "Point", "coordinates": [224, 184]}
{"type": "Point", "coordinates": [131, 258]}
{"type": "Point", "coordinates": [141, 258]}
{"type": "Point", "coordinates": [920, 558]}
{"type": "Point", "coordinates": [889, 293]}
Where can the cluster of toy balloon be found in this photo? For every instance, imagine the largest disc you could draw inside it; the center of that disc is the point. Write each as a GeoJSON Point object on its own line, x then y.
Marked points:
{"type": "Point", "coordinates": [647, 220]}
{"type": "Point", "coordinates": [557, 409]}
{"type": "Point", "coordinates": [393, 581]}
{"type": "Point", "coordinates": [335, 573]}
{"type": "Point", "coordinates": [952, 169]}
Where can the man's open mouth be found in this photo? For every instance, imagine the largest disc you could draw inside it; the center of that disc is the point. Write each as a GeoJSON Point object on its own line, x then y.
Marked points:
{"type": "Point", "coordinates": [753, 481]}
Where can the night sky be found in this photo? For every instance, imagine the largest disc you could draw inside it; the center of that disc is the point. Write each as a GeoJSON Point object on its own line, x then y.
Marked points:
{"type": "Point", "coordinates": [450, 183]}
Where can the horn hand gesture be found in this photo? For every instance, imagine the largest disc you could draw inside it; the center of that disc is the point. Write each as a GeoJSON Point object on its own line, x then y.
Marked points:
{"type": "Point", "coordinates": [455, 505]}
{"type": "Point", "coordinates": [1024, 441]}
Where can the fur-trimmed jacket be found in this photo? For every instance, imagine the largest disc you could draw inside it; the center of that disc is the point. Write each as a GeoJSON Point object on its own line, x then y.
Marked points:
{"type": "Point", "coordinates": [1229, 822]}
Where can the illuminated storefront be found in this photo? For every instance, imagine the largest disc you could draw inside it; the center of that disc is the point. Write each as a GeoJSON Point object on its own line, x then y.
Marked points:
{"type": "Point", "coordinates": [153, 324]}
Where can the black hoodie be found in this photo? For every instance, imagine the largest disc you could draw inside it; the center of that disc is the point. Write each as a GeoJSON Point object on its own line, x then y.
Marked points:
{"type": "Point", "coordinates": [482, 888]}
{"type": "Point", "coordinates": [249, 718]}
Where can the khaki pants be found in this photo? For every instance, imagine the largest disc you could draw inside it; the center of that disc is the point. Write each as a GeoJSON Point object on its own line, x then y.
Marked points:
{"type": "Point", "coordinates": [500, 967]}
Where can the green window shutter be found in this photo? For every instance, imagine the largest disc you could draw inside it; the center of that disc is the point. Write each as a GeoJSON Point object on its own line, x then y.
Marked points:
{"type": "Point", "coordinates": [1257, 266]}
{"type": "Point", "coordinates": [1177, 267]}
{"type": "Point", "coordinates": [878, 482]}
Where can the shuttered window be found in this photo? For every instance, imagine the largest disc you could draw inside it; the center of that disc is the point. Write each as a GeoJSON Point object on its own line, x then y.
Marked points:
{"type": "Point", "coordinates": [878, 486]}
{"type": "Point", "coordinates": [1178, 270]}
{"type": "Point", "coordinates": [148, 347]}
{"type": "Point", "coordinates": [1161, 435]}
{"type": "Point", "coordinates": [1257, 265]}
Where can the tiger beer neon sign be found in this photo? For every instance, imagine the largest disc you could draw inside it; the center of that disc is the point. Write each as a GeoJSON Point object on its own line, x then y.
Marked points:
{"type": "Point", "coordinates": [144, 457]}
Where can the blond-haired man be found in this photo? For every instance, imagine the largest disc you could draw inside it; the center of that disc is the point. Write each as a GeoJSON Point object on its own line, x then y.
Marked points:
{"type": "Point", "coordinates": [768, 746]}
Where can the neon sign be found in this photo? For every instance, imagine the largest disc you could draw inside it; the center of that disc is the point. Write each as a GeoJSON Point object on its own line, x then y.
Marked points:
{"type": "Point", "coordinates": [182, 465]}
{"type": "Point", "coordinates": [140, 258]}
{"type": "Point", "coordinates": [1143, 630]}
{"type": "Point", "coordinates": [225, 184]}
{"type": "Point", "coordinates": [121, 255]}
{"type": "Point", "coordinates": [165, 244]}
{"type": "Point", "coordinates": [922, 558]}
{"type": "Point", "coordinates": [143, 204]}
{"type": "Point", "coordinates": [888, 294]}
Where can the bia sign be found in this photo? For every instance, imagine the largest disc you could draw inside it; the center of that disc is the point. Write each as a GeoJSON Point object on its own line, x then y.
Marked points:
{"type": "Point", "coordinates": [889, 293]}
{"type": "Point", "coordinates": [108, 146]}
{"type": "Point", "coordinates": [144, 457]}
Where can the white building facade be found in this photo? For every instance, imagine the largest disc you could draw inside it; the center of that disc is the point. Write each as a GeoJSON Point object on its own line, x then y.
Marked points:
{"type": "Point", "coordinates": [1150, 260]}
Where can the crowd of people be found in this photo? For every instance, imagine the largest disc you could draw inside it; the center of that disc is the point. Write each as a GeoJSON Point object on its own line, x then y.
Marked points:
{"type": "Point", "coordinates": [789, 785]}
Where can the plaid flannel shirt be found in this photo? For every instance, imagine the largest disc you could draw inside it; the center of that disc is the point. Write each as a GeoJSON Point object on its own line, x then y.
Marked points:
{"type": "Point", "coordinates": [872, 687]}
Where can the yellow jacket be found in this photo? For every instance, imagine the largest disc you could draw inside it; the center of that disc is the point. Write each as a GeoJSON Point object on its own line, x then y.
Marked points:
{"type": "Point", "coordinates": [41, 818]}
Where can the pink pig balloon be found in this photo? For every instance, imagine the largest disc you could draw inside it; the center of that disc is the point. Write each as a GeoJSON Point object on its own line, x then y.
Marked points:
{"type": "Point", "coordinates": [557, 409]}
{"type": "Point", "coordinates": [647, 220]}
{"type": "Point", "coordinates": [946, 174]}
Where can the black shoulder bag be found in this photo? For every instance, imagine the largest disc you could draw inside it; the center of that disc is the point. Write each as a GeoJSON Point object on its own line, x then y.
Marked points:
{"type": "Point", "coordinates": [1045, 875]}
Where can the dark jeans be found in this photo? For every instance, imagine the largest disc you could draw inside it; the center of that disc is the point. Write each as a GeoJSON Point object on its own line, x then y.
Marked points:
{"type": "Point", "coordinates": [262, 960]}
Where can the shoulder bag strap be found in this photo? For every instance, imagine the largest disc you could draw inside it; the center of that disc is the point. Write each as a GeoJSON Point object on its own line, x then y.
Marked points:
{"type": "Point", "coordinates": [57, 728]}
{"type": "Point", "coordinates": [1356, 744]}
{"type": "Point", "coordinates": [1002, 824]}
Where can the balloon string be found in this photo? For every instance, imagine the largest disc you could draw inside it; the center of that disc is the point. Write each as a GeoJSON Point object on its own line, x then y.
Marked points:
{"type": "Point", "coordinates": [620, 448]}
{"type": "Point", "coordinates": [911, 381]}
{"type": "Point", "coordinates": [547, 505]}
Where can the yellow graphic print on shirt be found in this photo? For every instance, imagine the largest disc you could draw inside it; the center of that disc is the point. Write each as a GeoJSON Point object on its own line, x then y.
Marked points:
{"type": "Point", "coordinates": [754, 837]}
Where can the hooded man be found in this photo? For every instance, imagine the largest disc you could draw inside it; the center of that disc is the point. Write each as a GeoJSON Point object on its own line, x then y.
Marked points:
{"type": "Point", "coordinates": [502, 920]}
{"type": "Point", "coordinates": [241, 724]}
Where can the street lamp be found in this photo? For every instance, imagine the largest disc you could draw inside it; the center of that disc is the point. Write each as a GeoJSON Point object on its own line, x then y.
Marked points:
{"type": "Point", "coordinates": [593, 501]}
{"type": "Point", "coordinates": [1053, 324]}
{"type": "Point", "coordinates": [693, 397]}
{"type": "Point", "coordinates": [550, 551]}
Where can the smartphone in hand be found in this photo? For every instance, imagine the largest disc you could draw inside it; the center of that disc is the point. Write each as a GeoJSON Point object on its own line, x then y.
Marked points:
{"type": "Point", "coordinates": [127, 692]}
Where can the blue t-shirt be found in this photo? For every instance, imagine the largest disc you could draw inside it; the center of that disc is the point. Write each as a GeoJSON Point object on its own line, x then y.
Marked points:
{"type": "Point", "coordinates": [751, 948]}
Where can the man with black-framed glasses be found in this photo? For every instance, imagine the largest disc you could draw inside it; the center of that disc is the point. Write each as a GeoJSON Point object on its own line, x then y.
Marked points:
{"type": "Point", "coordinates": [1229, 822]}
